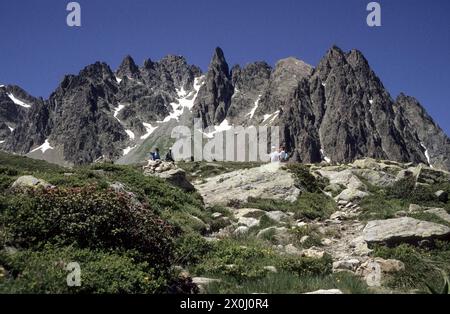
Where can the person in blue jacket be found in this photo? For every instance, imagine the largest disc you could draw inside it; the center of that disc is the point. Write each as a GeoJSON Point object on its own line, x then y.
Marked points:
{"type": "Point", "coordinates": [155, 155]}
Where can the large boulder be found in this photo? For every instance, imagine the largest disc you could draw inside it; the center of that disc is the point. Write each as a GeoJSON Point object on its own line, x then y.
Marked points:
{"type": "Point", "coordinates": [374, 270]}
{"type": "Point", "coordinates": [268, 181]}
{"type": "Point", "coordinates": [431, 176]}
{"type": "Point", "coordinates": [345, 178]}
{"type": "Point", "coordinates": [401, 230]}
{"type": "Point", "coordinates": [351, 195]}
{"type": "Point", "coordinates": [169, 172]}
{"type": "Point", "coordinates": [176, 177]}
{"type": "Point", "coordinates": [30, 182]}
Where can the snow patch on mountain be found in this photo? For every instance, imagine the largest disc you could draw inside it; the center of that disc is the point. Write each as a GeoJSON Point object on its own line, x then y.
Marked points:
{"type": "Point", "coordinates": [130, 134]}
{"type": "Point", "coordinates": [10, 128]}
{"type": "Point", "coordinates": [427, 155]}
{"type": "Point", "coordinates": [127, 150]}
{"type": "Point", "coordinates": [271, 116]}
{"type": "Point", "coordinates": [43, 148]}
{"type": "Point", "coordinates": [223, 127]}
{"type": "Point", "coordinates": [117, 111]}
{"type": "Point", "coordinates": [149, 129]}
{"type": "Point", "coordinates": [184, 100]}
{"type": "Point", "coordinates": [324, 156]}
{"type": "Point", "coordinates": [252, 112]}
{"type": "Point", "coordinates": [18, 101]}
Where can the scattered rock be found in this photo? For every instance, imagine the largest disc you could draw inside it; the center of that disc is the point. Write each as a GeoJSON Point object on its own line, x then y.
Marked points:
{"type": "Point", "coordinates": [349, 264]}
{"type": "Point", "coordinates": [373, 270]}
{"type": "Point", "coordinates": [312, 253]}
{"type": "Point", "coordinates": [281, 234]}
{"type": "Point", "coordinates": [429, 175]}
{"type": "Point", "coordinates": [351, 194]}
{"type": "Point", "coordinates": [241, 230]}
{"type": "Point", "coordinates": [304, 239]}
{"type": "Point", "coordinates": [245, 212]}
{"type": "Point", "coordinates": [30, 182]}
{"type": "Point", "coordinates": [292, 250]}
{"type": "Point", "coordinates": [440, 212]}
{"type": "Point", "coordinates": [326, 241]}
{"type": "Point", "coordinates": [216, 215]}
{"type": "Point", "coordinates": [345, 178]}
{"type": "Point", "coordinates": [204, 280]}
{"type": "Point", "coordinates": [331, 291]}
{"type": "Point", "coordinates": [413, 208]}
{"type": "Point", "coordinates": [249, 222]}
{"type": "Point", "coordinates": [201, 282]}
{"type": "Point", "coordinates": [277, 216]}
{"type": "Point", "coordinates": [400, 230]}
{"type": "Point", "coordinates": [442, 196]}
{"type": "Point", "coordinates": [271, 269]}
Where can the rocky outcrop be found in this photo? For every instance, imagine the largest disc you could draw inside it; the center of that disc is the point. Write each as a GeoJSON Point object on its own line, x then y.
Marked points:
{"type": "Point", "coordinates": [401, 230]}
{"type": "Point", "coordinates": [24, 182]}
{"type": "Point", "coordinates": [169, 172]}
{"type": "Point", "coordinates": [267, 181]}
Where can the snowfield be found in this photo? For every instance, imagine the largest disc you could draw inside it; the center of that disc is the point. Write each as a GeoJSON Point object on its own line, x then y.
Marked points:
{"type": "Point", "coordinates": [18, 101]}
{"type": "Point", "coordinates": [43, 148]}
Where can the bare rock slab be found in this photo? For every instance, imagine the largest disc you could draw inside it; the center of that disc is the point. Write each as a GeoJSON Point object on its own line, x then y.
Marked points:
{"type": "Point", "coordinates": [403, 230]}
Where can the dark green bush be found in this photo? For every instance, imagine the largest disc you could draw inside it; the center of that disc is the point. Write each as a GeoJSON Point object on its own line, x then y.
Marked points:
{"type": "Point", "coordinates": [305, 181]}
{"type": "Point", "coordinates": [44, 271]}
{"type": "Point", "coordinates": [191, 249]}
{"type": "Point", "coordinates": [230, 259]}
{"type": "Point", "coordinates": [402, 189]}
{"type": "Point", "coordinates": [306, 266]}
{"type": "Point", "coordinates": [422, 266]}
{"type": "Point", "coordinates": [91, 218]}
{"type": "Point", "coordinates": [314, 206]}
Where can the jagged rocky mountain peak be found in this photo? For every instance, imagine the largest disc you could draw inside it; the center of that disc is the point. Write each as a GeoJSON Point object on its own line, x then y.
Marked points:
{"type": "Point", "coordinates": [335, 112]}
{"type": "Point", "coordinates": [127, 68]}
{"type": "Point", "coordinates": [219, 63]}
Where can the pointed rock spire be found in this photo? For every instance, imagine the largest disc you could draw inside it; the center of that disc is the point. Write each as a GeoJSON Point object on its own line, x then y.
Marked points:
{"type": "Point", "coordinates": [214, 98]}
{"type": "Point", "coordinates": [127, 68]}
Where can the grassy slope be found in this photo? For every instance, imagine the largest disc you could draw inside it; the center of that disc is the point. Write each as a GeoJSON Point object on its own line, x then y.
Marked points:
{"type": "Point", "coordinates": [239, 262]}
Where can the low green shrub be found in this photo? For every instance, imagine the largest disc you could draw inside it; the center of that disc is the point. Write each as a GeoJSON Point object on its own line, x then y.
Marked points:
{"type": "Point", "coordinates": [44, 271]}
{"type": "Point", "coordinates": [91, 218]}
{"type": "Point", "coordinates": [191, 249]}
{"type": "Point", "coordinates": [306, 266]}
{"type": "Point", "coordinates": [314, 206]}
{"type": "Point", "coordinates": [305, 181]}
{"type": "Point", "coordinates": [229, 258]}
{"type": "Point", "coordinates": [422, 266]}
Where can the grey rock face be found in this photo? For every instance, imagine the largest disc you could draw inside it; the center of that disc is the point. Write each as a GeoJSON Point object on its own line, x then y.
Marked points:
{"type": "Point", "coordinates": [250, 84]}
{"type": "Point", "coordinates": [434, 144]}
{"type": "Point", "coordinates": [214, 98]}
{"type": "Point", "coordinates": [401, 230]}
{"type": "Point", "coordinates": [337, 112]}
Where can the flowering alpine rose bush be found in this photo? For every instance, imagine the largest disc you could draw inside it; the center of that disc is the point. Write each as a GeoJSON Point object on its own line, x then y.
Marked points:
{"type": "Point", "coordinates": [88, 217]}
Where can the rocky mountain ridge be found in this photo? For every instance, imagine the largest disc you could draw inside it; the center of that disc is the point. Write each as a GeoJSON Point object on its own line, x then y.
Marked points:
{"type": "Point", "coordinates": [337, 112]}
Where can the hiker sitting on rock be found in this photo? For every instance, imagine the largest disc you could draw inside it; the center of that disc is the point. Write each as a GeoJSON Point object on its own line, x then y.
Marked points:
{"type": "Point", "coordinates": [283, 154]}
{"type": "Point", "coordinates": [155, 155]}
{"type": "Point", "coordinates": [169, 156]}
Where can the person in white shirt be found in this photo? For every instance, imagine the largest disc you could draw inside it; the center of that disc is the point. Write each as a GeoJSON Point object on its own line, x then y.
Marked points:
{"type": "Point", "coordinates": [275, 155]}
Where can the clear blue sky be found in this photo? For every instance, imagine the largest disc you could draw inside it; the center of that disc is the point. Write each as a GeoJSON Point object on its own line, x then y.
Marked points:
{"type": "Point", "coordinates": [410, 52]}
